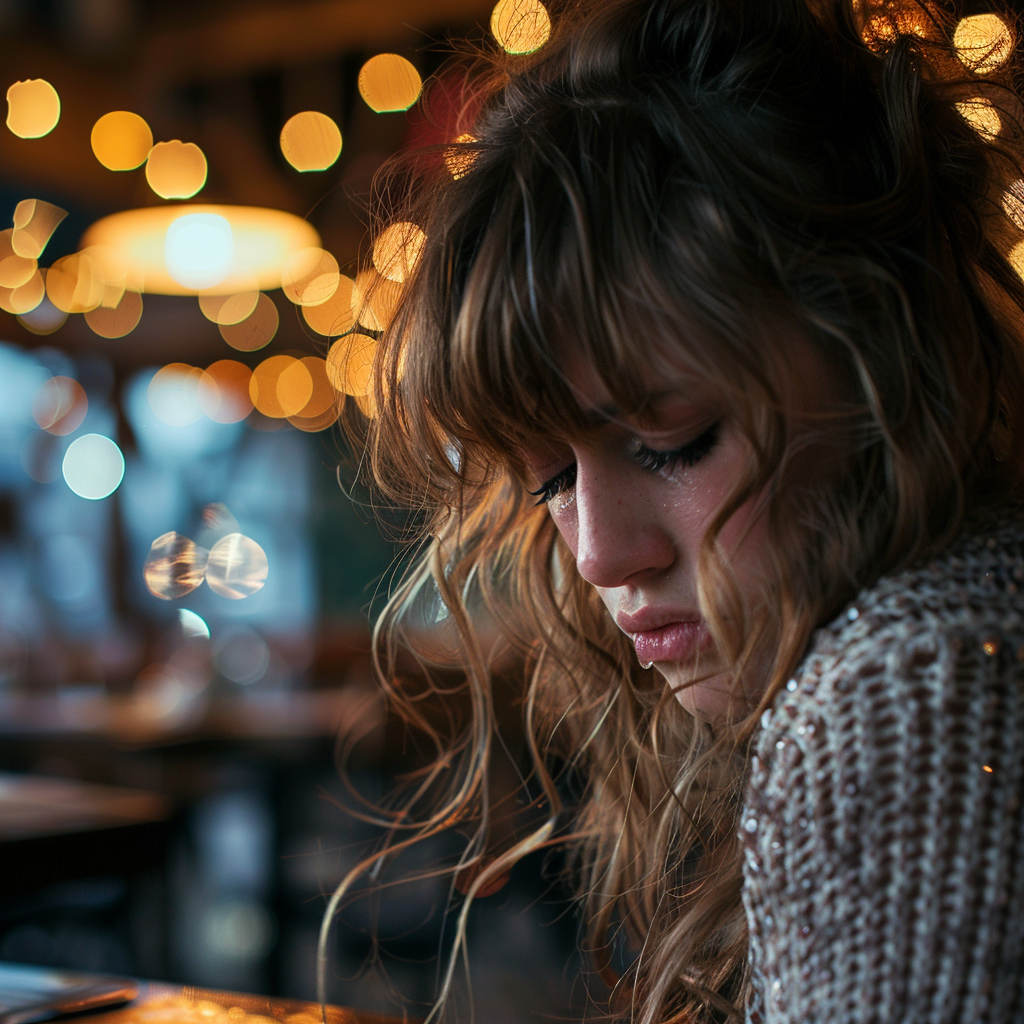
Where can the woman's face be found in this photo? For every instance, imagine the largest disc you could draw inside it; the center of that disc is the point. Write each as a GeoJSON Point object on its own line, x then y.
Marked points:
{"type": "Point", "coordinates": [633, 502]}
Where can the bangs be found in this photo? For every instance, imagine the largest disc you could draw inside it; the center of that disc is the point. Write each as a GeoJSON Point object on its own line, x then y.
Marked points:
{"type": "Point", "coordinates": [562, 255]}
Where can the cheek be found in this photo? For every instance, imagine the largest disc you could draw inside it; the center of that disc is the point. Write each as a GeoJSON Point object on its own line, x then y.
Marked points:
{"type": "Point", "coordinates": [563, 514]}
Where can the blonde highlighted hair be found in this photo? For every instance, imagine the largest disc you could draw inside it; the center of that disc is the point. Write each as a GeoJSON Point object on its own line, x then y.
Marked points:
{"type": "Point", "coordinates": [705, 187]}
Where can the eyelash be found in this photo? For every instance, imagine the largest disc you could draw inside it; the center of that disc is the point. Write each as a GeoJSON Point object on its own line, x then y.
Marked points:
{"type": "Point", "coordinates": [647, 458]}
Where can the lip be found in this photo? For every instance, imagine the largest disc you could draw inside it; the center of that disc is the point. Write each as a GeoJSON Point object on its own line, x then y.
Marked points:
{"type": "Point", "coordinates": [665, 635]}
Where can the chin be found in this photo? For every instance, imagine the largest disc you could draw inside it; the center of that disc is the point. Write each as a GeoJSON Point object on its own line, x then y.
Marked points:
{"type": "Point", "coordinates": [712, 699]}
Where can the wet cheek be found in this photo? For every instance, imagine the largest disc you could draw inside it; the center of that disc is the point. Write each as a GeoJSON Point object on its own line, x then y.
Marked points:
{"type": "Point", "coordinates": [563, 514]}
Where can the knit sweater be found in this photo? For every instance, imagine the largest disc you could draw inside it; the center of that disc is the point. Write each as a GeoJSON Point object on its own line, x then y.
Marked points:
{"type": "Point", "coordinates": [883, 828]}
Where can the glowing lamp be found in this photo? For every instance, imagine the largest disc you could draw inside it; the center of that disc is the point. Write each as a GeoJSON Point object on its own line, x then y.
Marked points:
{"type": "Point", "coordinates": [199, 249]}
{"type": "Point", "coordinates": [165, 251]}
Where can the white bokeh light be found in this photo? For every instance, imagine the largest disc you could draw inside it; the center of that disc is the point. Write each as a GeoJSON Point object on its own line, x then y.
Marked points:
{"type": "Point", "coordinates": [93, 466]}
{"type": "Point", "coordinates": [199, 250]}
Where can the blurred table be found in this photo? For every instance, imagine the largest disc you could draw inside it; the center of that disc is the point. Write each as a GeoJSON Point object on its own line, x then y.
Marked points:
{"type": "Point", "coordinates": [52, 830]}
{"type": "Point", "coordinates": [160, 1003]}
{"type": "Point", "coordinates": [148, 720]}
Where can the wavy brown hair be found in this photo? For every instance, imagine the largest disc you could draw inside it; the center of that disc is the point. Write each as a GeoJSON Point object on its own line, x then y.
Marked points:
{"type": "Point", "coordinates": [702, 187]}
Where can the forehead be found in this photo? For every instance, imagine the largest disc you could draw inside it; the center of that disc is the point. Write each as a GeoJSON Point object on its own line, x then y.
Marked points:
{"type": "Point", "coordinates": [661, 386]}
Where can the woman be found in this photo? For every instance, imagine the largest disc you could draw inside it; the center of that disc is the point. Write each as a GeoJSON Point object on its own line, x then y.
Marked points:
{"type": "Point", "coordinates": [722, 287]}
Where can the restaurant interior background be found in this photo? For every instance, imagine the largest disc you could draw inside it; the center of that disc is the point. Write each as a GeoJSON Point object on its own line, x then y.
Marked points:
{"type": "Point", "coordinates": [184, 582]}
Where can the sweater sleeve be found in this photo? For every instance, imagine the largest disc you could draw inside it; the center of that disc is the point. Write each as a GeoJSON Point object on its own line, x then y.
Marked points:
{"type": "Point", "coordinates": [883, 831]}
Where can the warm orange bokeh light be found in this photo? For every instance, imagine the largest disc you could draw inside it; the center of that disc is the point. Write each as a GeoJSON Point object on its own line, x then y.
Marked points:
{"type": "Point", "coordinates": [119, 320]}
{"type": "Point", "coordinates": [24, 299]}
{"type": "Point", "coordinates": [520, 26]}
{"type": "Point", "coordinates": [311, 141]}
{"type": "Point", "coordinates": [224, 391]}
{"type": "Point", "coordinates": [15, 270]}
{"type": "Point", "coordinates": [176, 170]}
{"type": "Point", "coordinates": [34, 224]}
{"type": "Point", "coordinates": [121, 140]}
{"type": "Point", "coordinates": [280, 386]}
{"type": "Point", "coordinates": [459, 158]}
{"type": "Point", "coordinates": [335, 316]}
{"type": "Point", "coordinates": [1016, 258]}
{"type": "Point", "coordinates": [350, 364]}
{"type": "Point", "coordinates": [980, 113]}
{"type": "Point", "coordinates": [983, 43]}
{"type": "Point", "coordinates": [230, 309]}
{"type": "Point", "coordinates": [310, 276]}
{"type": "Point", "coordinates": [257, 330]}
{"type": "Point", "coordinates": [45, 318]}
{"type": "Point", "coordinates": [60, 406]}
{"type": "Point", "coordinates": [389, 83]}
{"type": "Point", "coordinates": [375, 299]}
{"type": "Point", "coordinates": [33, 108]}
{"type": "Point", "coordinates": [1013, 203]}
{"type": "Point", "coordinates": [398, 249]}
{"type": "Point", "coordinates": [322, 397]}
{"type": "Point", "coordinates": [76, 283]}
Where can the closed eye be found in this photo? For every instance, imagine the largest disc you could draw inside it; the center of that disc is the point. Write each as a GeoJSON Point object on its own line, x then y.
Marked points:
{"type": "Point", "coordinates": [652, 459]}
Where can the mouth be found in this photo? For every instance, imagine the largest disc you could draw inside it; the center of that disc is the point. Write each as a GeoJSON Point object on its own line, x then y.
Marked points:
{"type": "Point", "coordinates": [675, 641]}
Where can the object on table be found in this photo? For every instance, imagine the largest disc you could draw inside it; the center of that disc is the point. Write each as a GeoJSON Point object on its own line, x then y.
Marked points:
{"type": "Point", "coordinates": [38, 993]}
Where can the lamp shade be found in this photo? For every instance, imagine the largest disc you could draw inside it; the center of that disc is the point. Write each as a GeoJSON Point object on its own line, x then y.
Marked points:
{"type": "Point", "coordinates": [198, 248]}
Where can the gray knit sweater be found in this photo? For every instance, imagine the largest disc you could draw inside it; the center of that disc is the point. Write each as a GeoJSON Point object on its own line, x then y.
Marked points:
{"type": "Point", "coordinates": [883, 825]}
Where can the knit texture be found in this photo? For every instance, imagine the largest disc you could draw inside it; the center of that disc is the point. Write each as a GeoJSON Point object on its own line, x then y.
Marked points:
{"type": "Point", "coordinates": [882, 826]}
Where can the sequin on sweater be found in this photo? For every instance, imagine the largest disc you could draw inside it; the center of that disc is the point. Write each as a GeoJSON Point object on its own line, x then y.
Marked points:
{"type": "Point", "coordinates": [883, 829]}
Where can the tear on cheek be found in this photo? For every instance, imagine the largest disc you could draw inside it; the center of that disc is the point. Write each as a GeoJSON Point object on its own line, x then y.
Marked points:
{"type": "Point", "coordinates": [562, 504]}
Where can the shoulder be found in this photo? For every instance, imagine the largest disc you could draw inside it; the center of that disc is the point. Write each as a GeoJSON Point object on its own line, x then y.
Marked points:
{"type": "Point", "coordinates": [899, 640]}
{"type": "Point", "coordinates": [882, 819]}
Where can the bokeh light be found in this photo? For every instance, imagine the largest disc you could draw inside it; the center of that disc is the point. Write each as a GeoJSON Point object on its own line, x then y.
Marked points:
{"type": "Point", "coordinates": [15, 270]}
{"type": "Point", "coordinates": [199, 249]}
{"type": "Point", "coordinates": [1016, 258]}
{"type": "Point", "coordinates": [459, 157]}
{"type": "Point", "coordinates": [350, 364]}
{"type": "Point", "coordinates": [193, 627]}
{"type": "Point", "coordinates": [983, 43]}
{"type": "Point", "coordinates": [121, 140]}
{"type": "Point", "coordinates": [230, 309]}
{"type": "Point", "coordinates": [75, 283]}
{"type": "Point", "coordinates": [223, 391]}
{"type": "Point", "coordinates": [1013, 203]}
{"type": "Point", "coordinates": [237, 567]}
{"type": "Point", "coordinates": [33, 108]}
{"type": "Point", "coordinates": [93, 466]}
{"type": "Point", "coordinates": [311, 141]}
{"type": "Point", "coordinates": [173, 394]}
{"type": "Point", "coordinates": [322, 408]}
{"type": "Point", "coordinates": [119, 321]}
{"type": "Point", "coordinates": [175, 169]}
{"type": "Point", "coordinates": [257, 330]}
{"type": "Point", "coordinates": [389, 83]}
{"type": "Point", "coordinates": [174, 567]}
{"type": "Point", "coordinates": [335, 316]}
{"type": "Point", "coordinates": [242, 656]}
{"type": "Point", "coordinates": [398, 249]}
{"type": "Point", "coordinates": [34, 224]}
{"type": "Point", "coordinates": [60, 405]}
{"type": "Point", "coordinates": [45, 318]}
{"type": "Point", "coordinates": [520, 26]}
{"type": "Point", "coordinates": [310, 276]}
{"type": "Point", "coordinates": [375, 299]}
{"type": "Point", "coordinates": [26, 297]}
{"type": "Point", "coordinates": [280, 386]}
{"type": "Point", "coordinates": [980, 113]}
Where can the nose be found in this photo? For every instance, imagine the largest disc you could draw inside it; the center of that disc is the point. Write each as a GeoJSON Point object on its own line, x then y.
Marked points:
{"type": "Point", "coordinates": [619, 537]}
